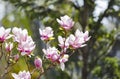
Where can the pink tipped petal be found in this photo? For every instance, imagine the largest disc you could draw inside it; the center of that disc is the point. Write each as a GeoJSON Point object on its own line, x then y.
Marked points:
{"type": "Point", "coordinates": [62, 66]}
{"type": "Point", "coordinates": [15, 76]}
{"type": "Point", "coordinates": [4, 34]}
{"type": "Point", "coordinates": [51, 53]}
{"type": "Point", "coordinates": [8, 46]}
{"type": "Point", "coordinates": [66, 22]}
{"type": "Point", "coordinates": [78, 39]}
{"type": "Point", "coordinates": [46, 33]}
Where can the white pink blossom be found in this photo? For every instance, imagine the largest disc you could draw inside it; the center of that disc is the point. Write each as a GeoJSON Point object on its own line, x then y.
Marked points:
{"type": "Point", "coordinates": [22, 75]}
{"type": "Point", "coordinates": [38, 63]}
{"type": "Point", "coordinates": [79, 39]}
{"type": "Point", "coordinates": [26, 47]}
{"type": "Point", "coordinates": [4, 34]}
{"type": "Point", "coordinates": [8, 46]}
{"type": "Point", "coordinates": [46, 34]}
{"type": "Point", "coordinates": [62, 60]}
{"type": "Point", "coordinates": [63, 43]}
{"type": "Point", "coordinates": [80, 34]}
{"type": "Point", "coordinates": [25, 42]}
{"type": "Point", "coordinates": [19, 34]}
{"type": "Point", "coordinates": [66, 22]}
{"type": "Point", "coordinates": [51, 53]}
{"type": "Point", "coordinates": [76, 42]}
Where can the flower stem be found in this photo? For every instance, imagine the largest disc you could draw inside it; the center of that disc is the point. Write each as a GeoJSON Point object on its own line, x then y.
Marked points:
{"type": "Point", "coordinates": [1, 51]}
{"type": "Point", "coordinates": [27, 63]}
{"type": "Point", "coordinates": [43, 72]}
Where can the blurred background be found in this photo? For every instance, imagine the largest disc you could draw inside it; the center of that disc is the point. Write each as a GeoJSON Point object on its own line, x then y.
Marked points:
{"type": "Point", "coordinates": [100, 59]}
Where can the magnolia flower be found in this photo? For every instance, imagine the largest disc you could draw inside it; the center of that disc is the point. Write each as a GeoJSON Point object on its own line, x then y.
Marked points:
{"type": "Point", "coordinates": [46, 34]}
{"type": "Point", "coordinates": [38, 63]}
{"type": "Point", "coordinates": [8, 46]}
{"type": "Point", "coordinates": [82, 35]}
{"type": "Point", "coordinates": [51, 54]}
{"type": "Point", "coordinates": [25, 42]}
{"type": "Point", "coordinates": [78, 40]}
{"type": "Point", "coordinates": [19, 34]}
{"type": "Point", "coordinates": [63, 43]}
{"type": "Point", "coordinates": [26, 47]}
{"type": "Point", "coordinates": [22, 75]}
{"type": "Point", "coordinates": [4, 34]}
{"type": "Point", "coordinates": [62, 60]}
{"type": "Point", "coordinates": [66, 22]}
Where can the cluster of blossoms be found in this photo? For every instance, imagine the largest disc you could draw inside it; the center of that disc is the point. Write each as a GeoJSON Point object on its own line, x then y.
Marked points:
{"type": "Point", "coordinates": [73, 41]}
{"type": "Point", "coordinates": [25, 45]}
{"type": "Point", "coordinates": [25, 42]}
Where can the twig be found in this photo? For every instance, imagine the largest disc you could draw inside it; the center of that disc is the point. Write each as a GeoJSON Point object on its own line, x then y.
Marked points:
{"type": "Point", "coordinates": [27, 63]}
{"type": "Point", "coordinates": [1, 51]}
{"type": "Point", "coordinates": [6, 71]}
{"type": "Point", "coordinates": [33, 71]}
{"type": "Point", "coordinates": [43, 72]}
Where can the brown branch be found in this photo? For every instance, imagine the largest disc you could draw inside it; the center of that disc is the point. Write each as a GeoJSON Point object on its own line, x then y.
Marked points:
{"type": "Point", "coordinates": [1, 51]}
{"type": "Point", "coordinates": [27, 63]}
{"type": "Point", "coordinates": [43, 72]}
{"type": "Point", "coordinates": [104, 54]}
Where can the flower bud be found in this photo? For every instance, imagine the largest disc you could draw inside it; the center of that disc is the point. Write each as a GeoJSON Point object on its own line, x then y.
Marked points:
{"type": "Point", "coordinates": [38, 63]}
{"type": "Point", "coordinates": [8, 46]}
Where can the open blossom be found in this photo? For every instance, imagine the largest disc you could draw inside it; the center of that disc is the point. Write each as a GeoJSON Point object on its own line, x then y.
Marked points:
{"type": "Point", "coordinates": [66, 22]}
{"type": "Point", "coordinates": [19, 34]}
{"type": "Point", "coordinates": [38, 63]}
{"type": "Point", "coordinates": [78, 40]}
{"type": "Point", "coordinates": [26, 47]}
{"type": "Point", "coordinates": [4, 34]}
{"type": "Point", "coordinates": [51, 53]}
{"type": "Point", "coordinates": [8, 46]}
{"type": "Point", "coordinates": [80, 34]}
{"type": "Point", "coordinates": [25, 43]}
{"type": "Point", "coordinates": [46, 34]}
{"type": "Point", "coordinates": [22, 75]}
{"type": "Point", "coordinates": [62, 60]}
{"type": "Point", "coordinates": [63, 43]}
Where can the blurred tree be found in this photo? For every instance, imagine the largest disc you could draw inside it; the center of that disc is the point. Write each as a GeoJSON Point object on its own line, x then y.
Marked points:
{"type": "Point", "coordinates": [94, 60]}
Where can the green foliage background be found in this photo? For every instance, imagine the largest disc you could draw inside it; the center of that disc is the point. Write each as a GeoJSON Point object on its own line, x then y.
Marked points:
{"type": "Point", "coordinates": [91, 62]}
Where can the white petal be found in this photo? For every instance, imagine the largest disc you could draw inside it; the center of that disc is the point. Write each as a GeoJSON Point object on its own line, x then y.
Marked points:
{"type": "Point", "coordinates": [62, 66]}
{"type": "Point", "coordinates": [23, 53]}
{"type": "Point", "coordinates": [15, 76]}
{"type": "Point", "coordinates": [60, 40]}
{"type": "Point", "coordinates": [59, 21]}
{"type": "Point", "coordinates": [77, 33]}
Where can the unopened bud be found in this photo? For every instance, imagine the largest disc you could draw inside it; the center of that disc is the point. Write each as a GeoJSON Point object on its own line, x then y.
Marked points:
{"type": "Point", "coordinates": [38, 63]}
